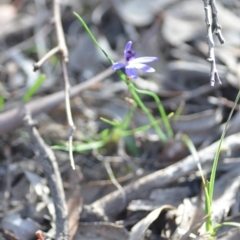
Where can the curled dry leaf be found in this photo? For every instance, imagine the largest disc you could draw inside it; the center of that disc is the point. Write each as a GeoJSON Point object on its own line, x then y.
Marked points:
{"type": "Point", "coordinates": [139, 230]}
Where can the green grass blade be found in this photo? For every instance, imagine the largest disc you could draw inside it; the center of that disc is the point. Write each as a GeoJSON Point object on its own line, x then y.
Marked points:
{"type": "Point", "coordinates": [133, 131]}
{"type": "Point", "coordinates": [31, 91]}
{"type": "Point", "coordinates": [128, 119]}
{"type": "Point", "coordinates": [215, 162]}
{"type": "Point", "coordinates": [193, 151]}
{"type": "Point", "coordinates": [209, 225]}
{"type": "Point", "coordinates": [112, 123]}
{"type": "Point", "coordinates": [234, 224]}
{"type": "Point", "coordinates": [178, 111]}
{"type": "Point", "coordinates": [119, 72]}
{"type": "Point", "coordinates": [92, 37]}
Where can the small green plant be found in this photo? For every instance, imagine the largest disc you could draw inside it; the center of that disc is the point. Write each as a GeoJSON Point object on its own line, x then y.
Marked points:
{"type": "Point", "coordinates": [107, 136]}
{"type": "Point", "coordinates": [121, 129]}
{"type": "Point", "coordinates": [209, 185]}
{"type": "Point", "coordinates": [134, 91]}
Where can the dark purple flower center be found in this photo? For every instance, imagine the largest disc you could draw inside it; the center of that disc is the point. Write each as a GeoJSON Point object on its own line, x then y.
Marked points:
{"type": "Point", "coordinates": [129, 55]}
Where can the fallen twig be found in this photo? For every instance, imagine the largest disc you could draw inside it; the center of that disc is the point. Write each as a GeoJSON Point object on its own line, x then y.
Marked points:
{"type": "Point", "coordinates": [108, 207]}
{"type": "Point", "coordinates": [49, 54]}
{"type": "Point", "coordinates": [68, 111]}
{"type": "Point", "coordinates": [53, 176]}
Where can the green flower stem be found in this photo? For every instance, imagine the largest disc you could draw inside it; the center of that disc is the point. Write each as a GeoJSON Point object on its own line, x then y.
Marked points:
{"type": "Point", "coordinates": [127, 121]}
{"type": "Point", "coordinates": [194, 152]}
{"type": "Point", "coordinates": [92, 37]}
{"type": "Point", "coordinates": [147, 112]}
{"type": "Point", "coordinates": [160, 108]}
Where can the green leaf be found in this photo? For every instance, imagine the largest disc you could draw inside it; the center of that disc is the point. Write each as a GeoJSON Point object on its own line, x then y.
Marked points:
{"type": "Point", "coordinates": [105, 133]}
{"type": "Point", "coordinates": [113, 123]}
{"type": "Point", "coordinates": [131, 146]}
{"type": "Point", "coordinates": [81, 147]}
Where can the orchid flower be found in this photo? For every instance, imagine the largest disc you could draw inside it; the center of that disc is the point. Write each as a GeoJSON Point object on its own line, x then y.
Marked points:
{"type": "Point", "coordinates": [131, 62]}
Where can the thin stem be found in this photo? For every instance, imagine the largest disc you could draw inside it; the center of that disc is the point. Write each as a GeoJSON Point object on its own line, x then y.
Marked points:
{"type": "Point", "coordinates": [48, 55]}
{"type": "Point", "coordinates": [195, 155]}
{"type": "Point", "coordinates": [216, 26]}
{"type": "Point", "coordinates": [68, 111]}
{"type": "Point", "coordinates": [161, 110]}
{"type": "Point", "coordinates": [60, 35]}
{"type": "Point", "coordinates": [147, 112]}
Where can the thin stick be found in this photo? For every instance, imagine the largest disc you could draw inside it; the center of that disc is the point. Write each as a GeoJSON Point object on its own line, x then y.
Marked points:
{"type": "Point", "coordinates": [13, 118]}
{"type": "Point", "coordinates": [211, 15]}
{"type": "Point", "coordinates": [68, 111]}
{"type": "Point", "coordinates": [53, 176]}
{"type": "Point", "coordinates": [62, 49]}
{"type": "Point", "coordinates": [38, 64]}
{"type": "Point", "coordinates": [216, 26]}
{"type": "Point", "coordinates": [60, 35]}
{"type": "Point", "coordinates": [64, 58]}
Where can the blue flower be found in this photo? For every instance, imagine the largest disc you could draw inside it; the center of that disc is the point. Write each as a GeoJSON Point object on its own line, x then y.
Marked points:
{"type": "Point", "coordinates": [131, 62]}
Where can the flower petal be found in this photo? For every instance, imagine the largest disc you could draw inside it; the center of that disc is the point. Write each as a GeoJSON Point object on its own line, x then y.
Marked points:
{"type": "Point", "coordinates": [143, 67]}
{"type": "Point", "coordinates": [128, 47]}
{"type": "Point", "coordinates": [118, 65]}
{"type": "Point", "coordinates": [144, 59]}
{"type": "Point", "coordinates": [131, 72]}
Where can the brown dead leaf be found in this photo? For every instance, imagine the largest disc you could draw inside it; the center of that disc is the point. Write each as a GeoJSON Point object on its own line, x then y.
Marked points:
{"type": "Point", "coordinates": [139, 230]}
{"type": "Point", "coordinates": [74, 204]}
